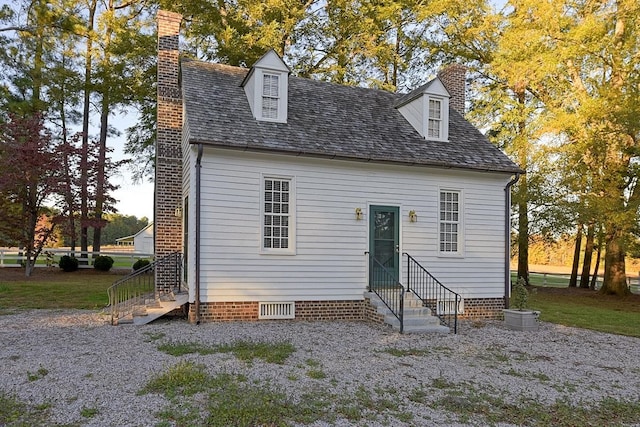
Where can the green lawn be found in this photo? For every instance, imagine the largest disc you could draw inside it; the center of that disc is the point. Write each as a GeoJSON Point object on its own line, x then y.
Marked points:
{"type": "Point", "coordinates": [588, 309]}
{"type": "Point", "coordinates": [51, 288]}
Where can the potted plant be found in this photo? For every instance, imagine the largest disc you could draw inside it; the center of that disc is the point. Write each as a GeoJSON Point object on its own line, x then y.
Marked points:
{"type": "Point", "coordinates": [519, 317]}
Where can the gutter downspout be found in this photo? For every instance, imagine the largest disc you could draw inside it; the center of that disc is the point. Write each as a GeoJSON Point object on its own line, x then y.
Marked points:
{"type": "Point", "coordinates": [197, 231]}
{"type": "Point", "coordinates": [507, 238]}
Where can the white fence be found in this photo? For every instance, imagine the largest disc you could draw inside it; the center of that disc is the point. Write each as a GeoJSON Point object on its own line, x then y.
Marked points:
{"type": "Point", "coordinates": [51, 257]}
{"type": "Point", "coordinates": [556, 280]}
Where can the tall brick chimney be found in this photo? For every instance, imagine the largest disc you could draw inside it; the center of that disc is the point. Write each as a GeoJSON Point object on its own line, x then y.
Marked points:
{"type": "Point", "coordinates": [453, 78]}
{"type": "Point", "coordinates": [168, 176]}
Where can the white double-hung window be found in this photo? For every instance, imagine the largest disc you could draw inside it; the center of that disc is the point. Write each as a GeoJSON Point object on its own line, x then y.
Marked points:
{"type": "Point", "coordinates": [277, 214]}
{"type": "Point", "coordinates": [450, 222]}
{"type": "Point", "coordinates": [434, 126]}
{"type": "Point", "coordinates": [270, 96]}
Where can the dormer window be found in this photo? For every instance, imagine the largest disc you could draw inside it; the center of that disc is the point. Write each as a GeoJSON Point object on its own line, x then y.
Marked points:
{"type": "Point", "coordinates": [435, 119]}
{"type": "Point", "coordinates": [427, 110]}
{"type": "Point", "coordinates": [267, 87]}
{"type": "Point", "coordinates": [270, 96]}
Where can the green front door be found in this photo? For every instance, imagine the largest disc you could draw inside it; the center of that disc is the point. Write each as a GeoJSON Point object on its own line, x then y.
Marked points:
{"type": "Point", "coordinates": [384, 242]}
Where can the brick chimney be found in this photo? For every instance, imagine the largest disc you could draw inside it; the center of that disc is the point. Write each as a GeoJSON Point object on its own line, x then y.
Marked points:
{"type": "Point", "coordinates": [168, 176]}
{"type": "Point", "coordinates": [453, 78]}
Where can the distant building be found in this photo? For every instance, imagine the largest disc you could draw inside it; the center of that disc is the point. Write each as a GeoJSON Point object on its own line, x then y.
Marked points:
{"type": "Point", "coordinates": [142, 241]}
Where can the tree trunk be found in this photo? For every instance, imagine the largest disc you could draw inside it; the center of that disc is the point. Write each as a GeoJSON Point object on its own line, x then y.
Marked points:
{"type": "Point", "coordinates": [102, 142]}
{"type": "Point", "coordinates": [615, 278]}
{"type": "Point", "coordinates": [573, 281]}
{"type": "Point", "coordinates": [596, 269]}
{"type": "Point", "coordinates": [523, 231]}
{"type": "Point", "coordinates": [588, 255]}
{"type": "Point", "coordinates": [84, 161]}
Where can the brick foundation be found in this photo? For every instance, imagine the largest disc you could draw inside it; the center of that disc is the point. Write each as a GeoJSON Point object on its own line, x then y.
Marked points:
{"type": "Point", "coordinates": [474, 308]}
{"type": "Point", "coordinates": [483, 308]}
{"type": "Point", "coordinates": [371, 313]}
{"type": "Point", "coordinates": [330, 310]}
{"type": "Point", "coordinates": [305, 310]}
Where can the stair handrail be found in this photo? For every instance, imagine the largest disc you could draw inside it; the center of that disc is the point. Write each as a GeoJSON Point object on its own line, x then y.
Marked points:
{"type": "Point", "coordinates": [433, 293]}
{"type": "Point", "coordinates": [384, 284]}
{"type": "Point", "coordinates": [133, 289]}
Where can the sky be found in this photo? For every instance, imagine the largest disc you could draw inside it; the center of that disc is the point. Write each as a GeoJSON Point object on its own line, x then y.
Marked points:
{"type": "Point", "coordinates": [132, 199]}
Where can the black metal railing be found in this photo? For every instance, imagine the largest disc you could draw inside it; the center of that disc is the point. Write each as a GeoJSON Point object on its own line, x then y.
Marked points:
{"type": "Point", "coordinates": [136, 288]}
{"type": "Point", "coordinates": [385, 285]}
{"type": "Point", "coordinates": [442, 301]}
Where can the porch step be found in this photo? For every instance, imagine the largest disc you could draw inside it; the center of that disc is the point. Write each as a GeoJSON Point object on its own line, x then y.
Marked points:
{"type": "Point", "coordinates": [159, 308]}
{"type": "Point", "coordinates": [417, 318]}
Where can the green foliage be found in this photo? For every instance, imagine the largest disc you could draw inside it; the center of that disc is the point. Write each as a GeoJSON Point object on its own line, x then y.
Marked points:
{"type": "Point", "coordinates": [88, 412]}
{"type": "Point", "coordinates": [68, 263]}
{"type": "Point", "coordinates": [14, 412]}
{"type": "Point", "coordinates": [587, 309]}
{"type": "Point", "coordinates": [243, 350]}
{"type": "Point", "coordinates": [39, 374]}
{"type": "Point", "coordinates": [140, 263]}
{"type": "Point", "coordinates": [103, 263]}
{"type": "Point", "coordinates": [269, 352]}
{"type": "Point", "coordinates": [519, 294]}
{"type": "Point", "coordinates": [85, 289]}
{"type": "Point", "coordinates": [183, 379]}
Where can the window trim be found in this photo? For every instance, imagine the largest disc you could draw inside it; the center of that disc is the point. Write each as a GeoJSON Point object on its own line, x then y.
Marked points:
{"type": "Point", "coordinates": [281, 98]}
{"type": "Point", "coordinates": [291, 250]}
{"type": "Point", "coordinates": [275, 97]}
{"type": "Point", "coordinates": [460, 222]}
{"type": "Point", "coordinates": [444, 117]}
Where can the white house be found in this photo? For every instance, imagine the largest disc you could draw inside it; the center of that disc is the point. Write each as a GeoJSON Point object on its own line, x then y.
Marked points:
{"type": "Point", "coordinates": [290, 187]}
{"type": "Point", "coordinates": [142, 241]}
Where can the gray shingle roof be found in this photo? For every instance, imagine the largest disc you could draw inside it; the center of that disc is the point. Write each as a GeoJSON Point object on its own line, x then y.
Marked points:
{"type": "Point", "coordinates": [326, 120]}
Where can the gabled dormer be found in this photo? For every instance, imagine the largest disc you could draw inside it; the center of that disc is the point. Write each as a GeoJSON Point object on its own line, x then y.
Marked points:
{"type": "Point", "coordinates": [427, 110]}
{"type": "Point", "coordinates": [267, 86]}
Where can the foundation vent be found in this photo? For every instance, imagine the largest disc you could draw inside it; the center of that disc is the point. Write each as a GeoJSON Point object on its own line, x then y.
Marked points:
{"type": "Point", "coordinates": [276, 310]}
{"type": "Point", "coordinates": [448, 306]}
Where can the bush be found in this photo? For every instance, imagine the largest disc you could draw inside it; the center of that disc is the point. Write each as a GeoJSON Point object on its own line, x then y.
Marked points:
{"type": "Point", "coordinates": [103, 263]}
{"type": "Point", "coordinates": [520, 294]}
{"type": "Point", "coordinates": [140, 263]}
{"type": "Point", "coordinates": [68, 263]}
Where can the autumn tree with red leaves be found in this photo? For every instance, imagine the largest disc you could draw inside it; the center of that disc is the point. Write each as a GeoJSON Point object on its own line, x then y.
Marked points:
{"type": "Point", "coordinates": [30, 165]}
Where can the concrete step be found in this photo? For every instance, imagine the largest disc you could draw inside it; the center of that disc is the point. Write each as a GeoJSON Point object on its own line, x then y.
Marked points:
{"type": "Point", "coordinates": [153, 313]}
{"type": "Point", "coordinates": [417, 319]}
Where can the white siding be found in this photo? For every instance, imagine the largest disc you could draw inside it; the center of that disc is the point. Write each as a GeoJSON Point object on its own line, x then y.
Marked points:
{"type": "Point", "coordinates": [189, 156]}
{"type": "Point", "coordinates": [330, 263]}
{"type": "Point", "coordinates": [414, 113]}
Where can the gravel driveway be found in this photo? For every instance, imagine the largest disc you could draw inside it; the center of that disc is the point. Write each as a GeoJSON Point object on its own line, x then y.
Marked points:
{"type": "Point", "coordinates": [88, 373]}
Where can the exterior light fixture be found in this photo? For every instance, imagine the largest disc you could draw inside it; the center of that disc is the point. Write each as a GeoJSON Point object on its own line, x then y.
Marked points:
{"type": "Point", "coordinates": [413, 216]}
{"type": "Point", "coordinates": [358, 214]}
{"type": "Point", "coordinates": [178, 213]}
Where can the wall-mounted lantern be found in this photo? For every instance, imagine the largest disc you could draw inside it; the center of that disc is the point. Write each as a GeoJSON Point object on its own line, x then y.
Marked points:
{"type": "Point", "coordinates": [178, 213]}
{"type": "Point", "coordinates": [358, 214]}
{"type": "Point", "coordinates": [413, 216]}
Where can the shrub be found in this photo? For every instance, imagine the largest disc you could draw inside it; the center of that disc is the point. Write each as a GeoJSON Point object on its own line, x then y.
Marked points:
{"type": "Point", "coordinates": [519, 294]}
{"type": "Point", "coordinates": [103, 263]}
{"type": "Point", "coordinates": [140, 263]}
{"type": "Point", "coordinates": [68, 263]}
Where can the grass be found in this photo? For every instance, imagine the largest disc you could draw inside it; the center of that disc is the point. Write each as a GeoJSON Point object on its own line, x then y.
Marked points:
{"type": "Point", "coordinates": [490, 407]}
{"type": "Point", "coordinates": [54, 289]}
{"type": "Point", "coordinates": [232, 400]}
{"type": "Point", "coordinates": [14, 412]}
{"type": "Point", "coordinates": [39, 374]}
{"type": "Point", "coordinates": [244, 350]}
{"type": "Point", "coordinates": [587, 309]}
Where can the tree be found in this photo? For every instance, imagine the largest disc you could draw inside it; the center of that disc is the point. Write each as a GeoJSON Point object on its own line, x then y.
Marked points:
{"type": "Point", "coordinates": [581, 60]}
{"type": "Point", "coordinates": [29, 163]}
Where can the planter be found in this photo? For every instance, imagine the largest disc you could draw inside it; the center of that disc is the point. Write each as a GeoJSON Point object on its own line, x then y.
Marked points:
{"type": "Point", "coordinates": [521, 320]}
